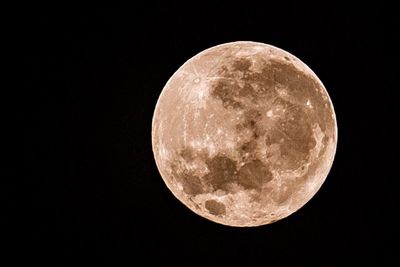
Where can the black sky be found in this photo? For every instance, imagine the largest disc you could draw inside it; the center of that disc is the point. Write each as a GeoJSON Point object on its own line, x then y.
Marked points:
{"type": "Point", "coordinates": [91, 190]}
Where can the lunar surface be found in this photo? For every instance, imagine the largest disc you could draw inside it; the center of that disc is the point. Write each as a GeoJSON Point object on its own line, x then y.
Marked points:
{"type": "Point", "coordinates": [244, 134]}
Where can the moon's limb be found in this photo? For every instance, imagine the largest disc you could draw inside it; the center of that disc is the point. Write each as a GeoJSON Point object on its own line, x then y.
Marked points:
{"type": "Point", "coordinates": [244, 134]}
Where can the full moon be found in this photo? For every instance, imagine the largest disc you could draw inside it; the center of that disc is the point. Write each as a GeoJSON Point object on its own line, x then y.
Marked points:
{"type": "Point", "coordinates": [244, 134]}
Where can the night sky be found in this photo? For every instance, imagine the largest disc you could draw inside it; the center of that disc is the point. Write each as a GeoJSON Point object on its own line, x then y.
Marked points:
{"type": "Point", "coordinates": [91, 192]}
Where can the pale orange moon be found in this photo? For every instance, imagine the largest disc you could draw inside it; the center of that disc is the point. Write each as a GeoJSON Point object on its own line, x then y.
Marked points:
{"type": "Point", "coordinates": [244, 134]}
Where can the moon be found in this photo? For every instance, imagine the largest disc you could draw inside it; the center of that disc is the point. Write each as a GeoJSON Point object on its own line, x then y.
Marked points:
{"type": "Point", "coordinates": [244, 134]}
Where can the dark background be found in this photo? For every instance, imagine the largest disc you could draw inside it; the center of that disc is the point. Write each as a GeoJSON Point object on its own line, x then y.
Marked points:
{"type": "Point", "coordinates": [91, 191]}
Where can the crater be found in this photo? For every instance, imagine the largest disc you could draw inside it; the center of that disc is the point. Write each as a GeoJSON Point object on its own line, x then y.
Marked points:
{"type": "Point", "coordinates": [252, 116]}
{"type": "Point", "coordinates": [191, 184]}
{"type": "Point", "coordinates": [250, 123]}
{"type": "Point", "coordinates": [285, 191]}
{"type": "Point", "coordinates": [241, 64]}
{"type": "Point", "coordinates": [187, 154]}
{"type": "Point", "coordinates": [295, 136]}
{"type": "Point", "coordinates": [222, 172]}
{"type": "Point", "coordinates": [226, 92]}
{"type": "Point", "coordinates": [254, 175]}
{"type": "Point", "coordinates": [248, 147]}
{"type": "Point", "coordinates": [215, 207]}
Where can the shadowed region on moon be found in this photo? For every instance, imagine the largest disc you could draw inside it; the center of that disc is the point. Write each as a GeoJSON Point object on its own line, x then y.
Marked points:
{"type": "Point", "coordinates": [244, 134]}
